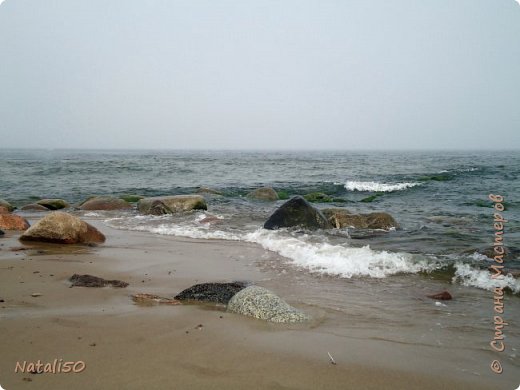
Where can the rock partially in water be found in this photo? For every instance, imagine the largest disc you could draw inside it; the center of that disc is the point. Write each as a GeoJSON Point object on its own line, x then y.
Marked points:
{"type": "Point", "coordinates": [151, 299]}
{"type": "Point", "coordinates": [318, 197]}
{"type": "Point", "coordinates": [53, 204]}
{"type": "Point", "coordinates": [105, 203]}
{"type": "Point", "coordinates": [258, 302]}
{"type": "Point", "coordinates": [441, 296]}
{"type": "Point", "coordinates": [172, 204]}
{"type": "Point", "coordinates": [34, 207]}
{"type": "Point", "coordinates": [209, 191]}
{"type": "Point", "coordinates": [297, 212]}
{"type": "Point", "coordinates": [211, 292]}
{"type": "Point", "coordinates": [94, 281]}
{"type": "Point", "coordinates": [130, 198]}
{"type": "Point", "coordinates": [62, 228]}
{"type": "Point", "coordinates": [341, 218]}
{"type": "Point", "coordinates": [2, 232]}
{"type": "Point", "coordinates": [7, 205]}
{"type": "Point", "coordinates": [13, 222]}
{"type": "Point", "coordinates": [510, 253]}
{"type": "Point", "coordinates": [265, 193]}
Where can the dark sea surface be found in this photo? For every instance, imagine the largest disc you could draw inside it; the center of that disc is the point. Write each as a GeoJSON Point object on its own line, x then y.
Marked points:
{"type": "Point", "coordinates": [440, 200]}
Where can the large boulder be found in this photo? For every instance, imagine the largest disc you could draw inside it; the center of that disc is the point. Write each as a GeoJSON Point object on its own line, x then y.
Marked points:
{"type": "Point", "coordinates": [13, 222]}
{"type": "Point", "coordinates": [34, 207]}
{"type": "Point", "coordinates": [265, 193]}
{"type": "Point", "coordinates": [53, 204]}
{"type": "Point", "coordinates": [211, 292]}
{"type": "Point", "coordinates": [297, 212]}
{"type": "Point", "coordinates": [63, 228]}
{"type": "Point", "coordinates": [171, 204]}
{"type": "Point", "coordinates": [7, 205]}
{"type": "Point", "coordinates": [4, 210]}
{"type": "Point", "coordinates": [258, 302]}
{"type": "Point", "coordinates": [341, 218]}
{"type": "Point", "coordinates": [105, 203]}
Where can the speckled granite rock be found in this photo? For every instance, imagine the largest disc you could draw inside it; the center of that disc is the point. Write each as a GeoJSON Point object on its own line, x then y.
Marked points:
{"type": "Point", "coordinates": [258, 302]}
{"type": "Point", "coordinates": [211, 292]}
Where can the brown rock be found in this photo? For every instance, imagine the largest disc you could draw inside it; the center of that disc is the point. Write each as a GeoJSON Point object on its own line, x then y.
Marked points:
{"type": "Point", "coordinates": [264, 193]}
{"type": "Point", "coordinates": [442, 296]}
{"type": "Point", "coordinates": [210, 219]}
{"type": "Point", "coordinates": [105, 203]}
{"type": "Point", "coordinates": [94, 281]}
{"type": "Point", "coordinates": [13, 222]}
{"type": "Point", "coordinates": [151, 299]}
{"type": "Point", "coordinates": [171, 204]}
{"type": "Point", "coordinates": [4, 210]}
{"type": "Point", "coordinates": [63, 228]}
{"type": "Point", "coordinates": [7, 205]}
{"type": "Point", "coordinates": [34, 207]}
{"type": "Point", "coordinates": [341, 218]}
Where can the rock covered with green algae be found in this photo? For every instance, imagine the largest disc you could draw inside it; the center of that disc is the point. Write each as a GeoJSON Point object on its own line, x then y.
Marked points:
{"type": "Point", "coordinates": [258, 302]}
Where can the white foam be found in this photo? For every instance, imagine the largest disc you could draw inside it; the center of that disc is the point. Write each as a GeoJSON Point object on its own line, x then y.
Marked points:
{"type": "Point", "coordinates": [469, 276]}
{"type": "Point", "coordinates": [374, 186]}
{"type": "Point", "coordinates": [325, 258]}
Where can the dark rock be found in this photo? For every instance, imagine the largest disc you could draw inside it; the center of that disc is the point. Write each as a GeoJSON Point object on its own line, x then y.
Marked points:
{"type": "Point", "coordinates": [34, 207]}
{"type": "Point", "coordinates": [2, 232]}
{"type": "Point", "coordinates": [53, 204]}
{"type": "Point", "coordinates": [510, 253]}
{"type": "Point", "coordinates": [63, 228]}
{"type": "Point", "coordinates": [13, 222]}
{"type": "Point", "coordinates": [159, 208]}
{"type": "Point", "coordinates": [264, 193]}
{"type": "Point", "coordinates": [105, 203]}
{"type": "Point", "coordinates": [297, 212]}
{"type": "Point", "coordinates": [442, 296]}
{"type": "Point", "coordinates": [211, 292]}
{"type": "Point", "coordinates": [131, 198]}
{"type": "Point", "coordinates": [94, 281]}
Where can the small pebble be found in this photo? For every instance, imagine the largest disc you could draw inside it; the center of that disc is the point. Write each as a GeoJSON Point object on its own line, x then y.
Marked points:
{"type": "Point", "coordinates": [36, 295]}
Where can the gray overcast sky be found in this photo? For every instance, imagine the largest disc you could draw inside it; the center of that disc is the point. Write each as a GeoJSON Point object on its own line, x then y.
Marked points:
{"type": "Point", "coordinates": [370, 74]}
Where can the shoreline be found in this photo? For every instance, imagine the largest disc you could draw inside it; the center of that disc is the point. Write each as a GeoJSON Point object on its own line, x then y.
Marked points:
{"type": "Point", "coordinates": [138, 346]}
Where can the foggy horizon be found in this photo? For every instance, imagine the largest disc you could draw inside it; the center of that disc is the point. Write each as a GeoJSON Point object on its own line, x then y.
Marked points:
{"type": "Point", "coordinates": [260, 75]}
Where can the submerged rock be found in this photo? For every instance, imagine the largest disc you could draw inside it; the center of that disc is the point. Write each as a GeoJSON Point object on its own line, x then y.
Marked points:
{"type": "Point", "coordinates": [131, 198]}
{"type": "Point", "coordinates": [442, 296]}
{"type": "Point", "coordinates": [297, 212]}
{"type": "Point", "coordinates": [211, 292]}
{"type": "Point", "coordinates": [105, 203]}
{"type": "Point", "coordinates": [53, 204]}
{"type": "Point", "coordinates": [206, 190]}
{"type": "Point", "coordinates": [62, 228]}
{"type": "Point", "coordinates": [94, 281]}
{"type": "Point", "coordinates": [265, 193]}
{"type": "Point", "coordinates": [258, 302]}
{"type": "Point", "coordinates": [510, 253]}
{"type": "Point", "coordinates": [151, 299]}
{"type": "Point", "coordinates": [34, 207]}
{"type": "Point", "coordinates": [341, 218]}
{"type": "Point", "coordinates": [7, 205]}
{"type": "Point", "coordinates": [171, 204]}
{"type": "Point", "coordinates": [13, 222]}
{"type": "Point", "coordinates": [318, 197]}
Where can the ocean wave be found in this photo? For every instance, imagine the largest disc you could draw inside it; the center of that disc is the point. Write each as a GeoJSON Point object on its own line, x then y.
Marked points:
{"type": "Point", "coordinates": [374, 186]}
{"type": "Point", "coordinates": [316, 257]}
{"type": "Point", "coordinates": [466, 275]}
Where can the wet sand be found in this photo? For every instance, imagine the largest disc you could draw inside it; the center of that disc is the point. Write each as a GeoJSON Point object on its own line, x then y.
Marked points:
{"type": "Point", "coordinates": [131, 346]}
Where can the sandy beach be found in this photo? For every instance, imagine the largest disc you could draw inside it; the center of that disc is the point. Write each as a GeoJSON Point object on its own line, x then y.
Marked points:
{"type": "Point", "coordinates": [125, 345]}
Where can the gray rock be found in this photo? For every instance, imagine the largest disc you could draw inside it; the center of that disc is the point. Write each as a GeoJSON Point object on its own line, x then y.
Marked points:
{"type": "Point", "coordinates": [297, 212]}
{"type": "Point", "coordinates": [258, 302]}
{"type": "Point", "coordinates": [172, 204]}
{"type": "Point", "coordinates": [211, 292]}
{"type": "Point", "coordinates": [265, 193]}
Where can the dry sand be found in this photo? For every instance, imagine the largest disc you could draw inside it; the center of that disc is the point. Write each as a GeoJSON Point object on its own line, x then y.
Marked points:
{"type": "Point", "coordinates": [128, 346]}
